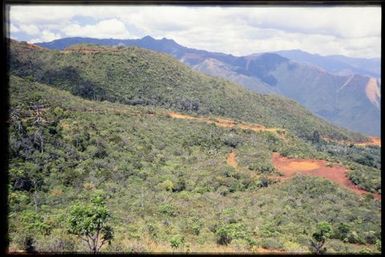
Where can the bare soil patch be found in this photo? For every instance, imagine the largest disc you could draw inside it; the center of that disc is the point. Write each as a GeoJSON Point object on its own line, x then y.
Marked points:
{"type": "Point", "coordinates": [320, 168]}
{"type": "Point", "coordinates": [232, 160]}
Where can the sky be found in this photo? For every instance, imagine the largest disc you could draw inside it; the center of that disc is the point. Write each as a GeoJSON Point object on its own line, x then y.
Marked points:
{"type": "Point", "coordinates": [350, 31]}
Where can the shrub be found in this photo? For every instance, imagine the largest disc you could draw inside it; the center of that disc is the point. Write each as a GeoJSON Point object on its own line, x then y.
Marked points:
{"type": "Point", "coordinates": [323, 232]}
{"type": "Point", "coordinates": [354, 238]}
{"type": "Point", "coordinates": [223, 190]}
{"type": "Point", "coordinates": [271, 243]}
{"type": "Point", "coordinates": [263, 182]}
{"type": "Point", "coordinates": [167, 185]}
{"type": "Point", "coordinates": [226, 233]}
{"type": "Point", "coordinates": [370, 237]}
{"type": "Point", "coordinates": [194, 226]}
{"type": "Point", "coordinates": [179, 186]}
{"type": "Point", "coordinates": [167, 209]}
{"type": "Point", "coordinates": [232, 140]}
{"type": "Point", "coordinates": [153, 230]}
{"type": "Point", "coordinates": [176, 241]}
{"type": "Point", "coordinates": [342, 231]}
{"type": "Point", "coordinates": [29, 244]}
{"type": "Point", "coordinates": [378, 245]}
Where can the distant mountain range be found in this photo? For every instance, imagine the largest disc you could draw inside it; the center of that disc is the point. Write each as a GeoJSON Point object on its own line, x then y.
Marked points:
{"type": "Point", "coordinates": [337, 64]}
{"type": "Point", "coordinates": [343, 90]}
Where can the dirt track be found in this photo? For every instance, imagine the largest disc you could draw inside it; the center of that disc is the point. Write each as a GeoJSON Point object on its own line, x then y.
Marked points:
{"type": "Point", "coordinates": [373, 141]}
{"type": "Point", "coordinates": [227, 123]}
{"type": "Point", "coordinates": [338, 174]}
{"type": "Point", "coordinates": [288, 167]}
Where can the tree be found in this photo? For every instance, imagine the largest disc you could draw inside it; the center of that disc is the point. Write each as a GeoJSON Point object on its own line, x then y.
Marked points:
{"type": "Point", "coordinates": [89, 223]}
{"type": "Point", "coordinates": [323, 232]}
{"type": "Point", "coordinates": [316, 136]}
{"type": "Point", "coordinates": [29, 245]}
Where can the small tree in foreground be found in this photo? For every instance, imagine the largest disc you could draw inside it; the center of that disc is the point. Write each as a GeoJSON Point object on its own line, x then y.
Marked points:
{"type": "Point", "coordinates": [89, 223]}
{"type": "Point", "coordinates": [323, 231]}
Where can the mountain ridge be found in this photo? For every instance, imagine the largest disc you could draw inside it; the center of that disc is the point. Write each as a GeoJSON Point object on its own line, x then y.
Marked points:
{"type": "Point", "coordinates": [115, 74]}
{"type": "Point", "coordinates": [270, 73]}
{"type": "Point", "coordinates": [182, 161]}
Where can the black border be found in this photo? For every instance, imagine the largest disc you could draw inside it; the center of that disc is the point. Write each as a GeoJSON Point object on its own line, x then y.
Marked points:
{"type": "Point", "coordinates": [4, 93]}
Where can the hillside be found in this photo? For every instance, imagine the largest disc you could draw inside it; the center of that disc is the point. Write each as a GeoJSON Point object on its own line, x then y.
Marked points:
{"type": "Point", "coordinates": [337, 64]}
{"type": "Point", "coordinates": [329, 91]}
{"type": "Point", "coordinates": [137, 76]}
{"type": "Point", "coordinates": [175, 182]}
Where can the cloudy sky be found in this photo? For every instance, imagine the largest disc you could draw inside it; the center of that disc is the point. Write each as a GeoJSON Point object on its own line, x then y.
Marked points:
{"type": "Point", "coordinates": [351, 31]}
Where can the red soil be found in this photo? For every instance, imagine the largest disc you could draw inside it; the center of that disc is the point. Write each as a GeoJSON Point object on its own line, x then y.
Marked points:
{"type": "Point", "coordinates": [32, 46]}
{"type": "Point", "coordinates": [374, 141]}
{"type": "Point", "coordinates": [228, 123]}
{"type": "Point", "coordinates": [232, 160]}
{"type": "Point", "coordinates": [338, 174]}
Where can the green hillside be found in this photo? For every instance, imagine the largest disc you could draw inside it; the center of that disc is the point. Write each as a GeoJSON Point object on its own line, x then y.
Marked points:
{"type": "Point", "coordinates": [166, 181]}
{"type": "Point", "coordinates": [137, 76]}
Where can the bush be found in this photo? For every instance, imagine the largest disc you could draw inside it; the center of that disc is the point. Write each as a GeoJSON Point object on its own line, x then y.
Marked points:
{"type": "Point", "coordinates": [354, 238]}
{"type": "Point", "coordinates": [152, 230]}
{"type": "Point", "coordinates": [167, 185]}
{"type": "Point", "coordinates": [263, 182]}
{"type": "Point", "coordinates": [176, 241]}
{"type": "Point", "coordinates": [271, 243]}
{"type": "Point", "coordinates": [179, 186]}
{"type": "Point", "coordinates": [59, 243]}
{"type": "Point", "coordinates": [226, 233]}
{"type": "Point", "coordinates": [232, 140]}
{"type": "Point", "coordinates": [193, 226]}
{"type": "Point", "coordinates": [167, 209]}
{"type": "Point", "coordinates": [370, 237]}
{"type": "Point", "coordinates": [378, 245]}
{"type": "Point", "coordinates": [29, 244]}
{"type": "Point", "coordinates": [223, 190]}
{"type": "Point", "coordinates": [323, 231]}
{"type": "Point", "coordinates": [342, 231]}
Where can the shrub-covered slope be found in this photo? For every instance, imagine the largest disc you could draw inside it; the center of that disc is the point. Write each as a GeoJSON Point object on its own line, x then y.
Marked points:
{"type": "Point", "coordinates": [166, 181]}
{"type": "Point", "coordinates": [310, 80]}
{"type": "Point", "coordinates": [137, 76]}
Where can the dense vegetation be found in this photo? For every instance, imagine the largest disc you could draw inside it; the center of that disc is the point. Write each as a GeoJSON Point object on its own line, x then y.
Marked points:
{"type": "Point", "coordinates": [166, 184]}
{"type": "Point", "coordinates": [364, 163]}
{"type": "Point", "coordinates": [136, 76]}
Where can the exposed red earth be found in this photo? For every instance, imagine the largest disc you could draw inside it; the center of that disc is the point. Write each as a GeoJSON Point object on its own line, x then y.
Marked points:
{"type": "Point", "coordinates": [231, 160]}
{"type": "Point", "coordinates": [289, 167]}
{"type": "Point", "coordinates": [320, 168]}
{"type": "Point", "coordinates": [228, 123]}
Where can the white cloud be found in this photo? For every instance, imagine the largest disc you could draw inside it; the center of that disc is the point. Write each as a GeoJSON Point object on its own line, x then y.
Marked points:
{"type": "Point", "coordinates": [29, 29]}
{"type": "Point", "coordinates": [13, 28]}
{"type": "Point", "coordinates": [33, 14]}
{"type": "Point", "coordinates": [354, 31]}
{"type": "Point", "coordinates": [112, 28]}
{"type": "Point", "coordinates": [340, 22]}
{"type": "Point", "coordinates": [45, 36]}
